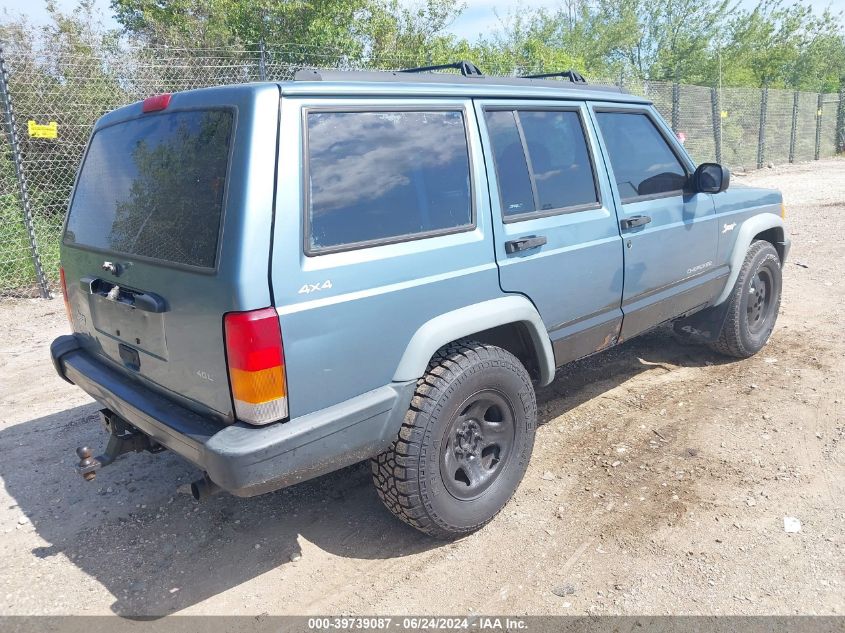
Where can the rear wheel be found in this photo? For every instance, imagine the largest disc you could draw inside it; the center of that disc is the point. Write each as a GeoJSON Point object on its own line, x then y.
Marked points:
{"type": "Point", "coordinates": [754, 303]}
{"type": "Point", "coordinates": [464, 444]}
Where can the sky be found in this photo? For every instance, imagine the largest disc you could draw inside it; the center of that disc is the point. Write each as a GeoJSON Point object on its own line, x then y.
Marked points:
{"type": "Point", "coordinates": [479, 16]}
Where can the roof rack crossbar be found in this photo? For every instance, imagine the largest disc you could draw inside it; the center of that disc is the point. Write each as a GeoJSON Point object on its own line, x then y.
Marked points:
{"type": "Point", "coordinates": [468, 69]}
{"type": "Point", "coordinates": [572, 75]}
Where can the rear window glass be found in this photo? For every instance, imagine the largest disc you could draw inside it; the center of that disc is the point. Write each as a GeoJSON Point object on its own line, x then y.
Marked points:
{"type": "Point", "coordinates": [153, 187]}
{"type": "Point", "coordinates": [385, 176]}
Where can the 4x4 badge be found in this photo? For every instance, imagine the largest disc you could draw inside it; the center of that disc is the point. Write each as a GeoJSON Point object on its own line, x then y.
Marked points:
{"type": "Point", "coordinates": [309, 288]}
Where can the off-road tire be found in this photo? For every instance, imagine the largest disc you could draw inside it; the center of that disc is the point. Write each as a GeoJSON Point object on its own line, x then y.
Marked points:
{"type": "Point", "coordinates": [738, 337]}
{"type": "Point", "coordinates": [409, 476]}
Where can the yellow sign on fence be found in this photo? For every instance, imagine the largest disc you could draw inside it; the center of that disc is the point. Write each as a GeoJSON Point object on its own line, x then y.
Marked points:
{"type": "Point", "coordinates": [51, 130]}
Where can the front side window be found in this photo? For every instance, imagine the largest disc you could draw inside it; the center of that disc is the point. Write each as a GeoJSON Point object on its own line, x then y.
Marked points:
{"type": "Point", "coordinates": [643, 163]}
{"type": "Point", "coordinates": [375, 177]}
{"type": "Point", "coordinates": [542, 160]}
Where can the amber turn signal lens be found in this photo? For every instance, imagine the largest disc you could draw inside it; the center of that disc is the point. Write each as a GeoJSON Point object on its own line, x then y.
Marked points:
{"type": "Point", "coordinates": [260, 386]}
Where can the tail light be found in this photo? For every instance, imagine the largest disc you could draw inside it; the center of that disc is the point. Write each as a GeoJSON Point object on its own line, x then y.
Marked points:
{"type": "Point", "coordinates": [256, 365]}
{"type": "Point", "coordinates": [65, 297]}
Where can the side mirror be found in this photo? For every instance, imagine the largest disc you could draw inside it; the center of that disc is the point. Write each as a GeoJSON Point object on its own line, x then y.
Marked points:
{"type": "Point", "coordinates": [711, 178]}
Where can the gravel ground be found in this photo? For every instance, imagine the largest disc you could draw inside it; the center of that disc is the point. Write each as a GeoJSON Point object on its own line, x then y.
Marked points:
{"type": "Point", "coordinates": [659, 484]}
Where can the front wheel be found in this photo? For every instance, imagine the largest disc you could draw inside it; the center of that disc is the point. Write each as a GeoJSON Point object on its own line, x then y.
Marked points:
{"type": "Point", "coordinates": [754, 303]}
{"type": "Point", "coordinates": [464, 444]}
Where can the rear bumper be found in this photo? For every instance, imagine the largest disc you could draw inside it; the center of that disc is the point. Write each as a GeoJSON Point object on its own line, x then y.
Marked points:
{"type": "Point", "coordinates": [242, 459]}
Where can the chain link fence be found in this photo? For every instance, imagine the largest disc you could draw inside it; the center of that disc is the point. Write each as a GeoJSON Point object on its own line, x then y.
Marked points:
{"type": "Point", "coordinates": [50, 101]}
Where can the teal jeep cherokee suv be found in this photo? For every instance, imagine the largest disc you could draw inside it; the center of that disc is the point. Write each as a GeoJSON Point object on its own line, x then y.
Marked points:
{"type": "Point", "coordinates": [277, 280]}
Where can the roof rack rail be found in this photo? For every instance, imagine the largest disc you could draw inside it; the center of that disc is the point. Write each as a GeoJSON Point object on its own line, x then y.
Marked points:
{"type": "Point", "coordinates": [468, 69]}
{"type": "Point", "coordinates": [572, 75]}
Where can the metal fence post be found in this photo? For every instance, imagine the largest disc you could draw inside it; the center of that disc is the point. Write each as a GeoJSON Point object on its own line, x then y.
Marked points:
{"type": "Point", "coordinates": [840, 118]}
{"type": "Point", "coordinates": [761, 139]}
{"type": "Point", "coordinates": [793, 135]}
{"type": "Point", "coordinates": [676, 105]}
{"type": "Point", "coordinates": [23, 194]}
{"type": "Point", "coordinates": [262, 61]}
{"type": "Point", "coordinates": [717, 123]}
{"type": "Point", "coordinates": [819, 110]}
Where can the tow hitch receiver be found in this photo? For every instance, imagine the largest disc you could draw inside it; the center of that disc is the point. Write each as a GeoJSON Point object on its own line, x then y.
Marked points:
{"type": "Point", "coordinates": [123, 438]}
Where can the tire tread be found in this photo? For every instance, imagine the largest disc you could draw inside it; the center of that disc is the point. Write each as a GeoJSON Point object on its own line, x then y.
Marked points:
{"type": "Point", "coordinates": [730, 341]}
{"type": "Point", "coordinates": [395, 472]}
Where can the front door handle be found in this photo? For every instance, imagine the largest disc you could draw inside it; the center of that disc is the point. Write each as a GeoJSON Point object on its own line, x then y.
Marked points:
{"type": "Point", "coordinates": [635, 221]}
{"type": "Point", "coordinates": [525, 243]}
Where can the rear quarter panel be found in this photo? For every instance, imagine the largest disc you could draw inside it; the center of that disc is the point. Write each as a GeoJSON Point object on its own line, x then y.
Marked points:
{"type": "Point", "coordinates": [348, 339]}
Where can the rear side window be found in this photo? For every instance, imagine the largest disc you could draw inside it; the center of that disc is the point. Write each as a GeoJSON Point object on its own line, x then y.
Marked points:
{"type": "Point", "coordinates": [153, 187]}
{"type": "Point", "coordinates": [377, 177]}
{"type": "Point", "coordinates": [542, 161]}
{"type": "Point", "coordinates": [643, 162]}
{"type": "Point", "coordinates": [515, 186]}
{"type": "Point", "coordinates": [560, 161]}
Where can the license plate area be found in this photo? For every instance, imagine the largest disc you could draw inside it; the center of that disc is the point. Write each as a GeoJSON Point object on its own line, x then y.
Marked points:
{"type": "Point", "coordinates": [139, 329]}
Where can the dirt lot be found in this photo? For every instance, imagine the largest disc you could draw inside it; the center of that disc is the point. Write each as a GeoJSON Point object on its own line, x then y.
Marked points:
{"type": "Point", "coordinates": [659, 484]}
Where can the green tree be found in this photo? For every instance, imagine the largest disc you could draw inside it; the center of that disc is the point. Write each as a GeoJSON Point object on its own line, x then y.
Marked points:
{"type": "Point", "coordinates": [784, 45]}
{"type": "Point", "coordinates": [398, 34]}
{"type": "Point", "coordinates": [67, 72]}
{"type": "Point", "coordinates": [530, 42]}
{"type": "Point", "coordinates": [315, 32]}
{"type": "Point", "coordinates": [690, 41]}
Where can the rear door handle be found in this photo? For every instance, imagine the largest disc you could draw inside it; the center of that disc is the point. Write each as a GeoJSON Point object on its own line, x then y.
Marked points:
{"type": "Point", "coordinates": [525, 243]}
{"type": "Point", "coordinates": [635, 221]}
{"type": "Point", "coordinates": [146, 301]}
